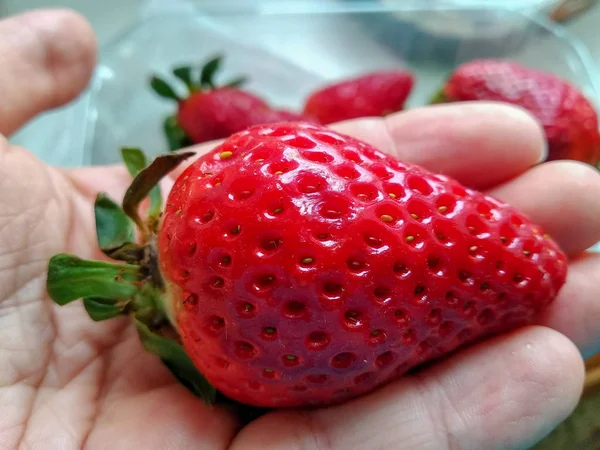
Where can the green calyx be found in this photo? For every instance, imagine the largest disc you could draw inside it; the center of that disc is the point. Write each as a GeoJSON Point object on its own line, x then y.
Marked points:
{"type": "Point", "coordinates": [71, 278]}
{"type": "Point", "coordinates": [439, 97]}
{"type": "Point", "coordinates": [195, 80]}
{"type": "Point", "coordinates": [176, 137]}
{"type": "Point", "coordinates": [131, 284]}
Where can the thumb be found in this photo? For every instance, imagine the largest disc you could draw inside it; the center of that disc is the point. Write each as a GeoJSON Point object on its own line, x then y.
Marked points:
{"type": "Point", "coordinates": [46, 59]}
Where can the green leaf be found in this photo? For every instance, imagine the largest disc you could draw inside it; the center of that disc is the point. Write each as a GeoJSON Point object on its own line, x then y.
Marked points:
{"type": "Point", "coordinates": [162, 88]}
{"type": "Point", "coordinates": [176, 137]}
{"type": "Point", "coordinates": [113, 227]}
{"type": "Point", "coordinates": [135, 160]}
{"type": "Point", "coordinates": [581, 430]}
{"type": "Point", "coordinates": [236, 82]}
{"type": "Point", "coordinates": [184, 73]}
{"type": "Point", "coordinates": [101, 308]}
{"type": "Point", "coordinates": [71, 278]}
{"type": "Point", "coordinates": [439, 97]}
{"type": "Point", "coordinates": [179, 363]}
{"type": "Point", "coordinates": [147, 180]}
{"type": "Point", "coordinates": [209, 70]}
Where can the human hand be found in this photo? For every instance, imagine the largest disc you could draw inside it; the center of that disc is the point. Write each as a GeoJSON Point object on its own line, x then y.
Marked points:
{"type": "Point", "coordinates": [67, 382]}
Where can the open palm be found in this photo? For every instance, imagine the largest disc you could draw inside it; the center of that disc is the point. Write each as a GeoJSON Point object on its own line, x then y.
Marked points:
{"type": "Point", "coordinates": [67, 382]}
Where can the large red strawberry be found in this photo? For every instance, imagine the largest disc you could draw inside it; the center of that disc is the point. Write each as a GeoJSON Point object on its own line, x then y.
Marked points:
{"type": "Point", "coordinates": [373, 94]}
{"type": "Point", "coordinates": [569, 119]}
{"type": "Point", "coordinates": [301, 266]}
{"type": "Point", "coordinates": [211, 112]}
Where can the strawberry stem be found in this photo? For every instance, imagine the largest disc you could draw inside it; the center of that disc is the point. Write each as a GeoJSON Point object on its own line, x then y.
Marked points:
{"type": "Point", "coordinates": [144, 182]}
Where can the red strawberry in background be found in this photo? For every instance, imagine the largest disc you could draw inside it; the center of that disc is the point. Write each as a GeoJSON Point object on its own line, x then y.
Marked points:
{"type": "Point", "coordinates": [300, 266]}
{"type": "Point", "coordinates": [373, 94]}
{"type": "Point", "coordinates": [212, 112]}
{"type": "Point", "coordinates": [569, 119]}
{"type": "Point", "coordinates": [219, 113]}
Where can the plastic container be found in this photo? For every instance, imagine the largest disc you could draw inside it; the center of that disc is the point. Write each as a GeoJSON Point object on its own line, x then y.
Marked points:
{"type": "Point", "coordinates": [288, 48]}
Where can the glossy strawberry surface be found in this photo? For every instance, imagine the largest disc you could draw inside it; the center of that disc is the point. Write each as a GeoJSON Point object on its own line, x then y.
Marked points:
{"type": "Point", "coordinates": [373, 94]}
{"type": "Point", "coordinates": [306, 267]}
{"type": "Point", "coordinates": [570, 121]}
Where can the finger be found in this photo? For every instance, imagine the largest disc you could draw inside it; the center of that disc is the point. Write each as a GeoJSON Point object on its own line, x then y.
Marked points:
{"type": "Point", "coordinates": [463, 141]}
{"type": "Point", "coordinates": [505, 393]}
{"type": "Point", "coordinates": [563, 197]}
{"type": "Point", "coordinates": [480, 144]}
{"type": "Point", "coordinates": [47, 58]}
{"type": "Point", "coordinates": [576, 310]}
{"type": "Point", "coordinates": [113, 180]}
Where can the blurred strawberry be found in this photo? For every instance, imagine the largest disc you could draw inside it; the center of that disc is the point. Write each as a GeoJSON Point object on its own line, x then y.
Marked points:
{"type": "Point", "coordinates": [373, 94]}
{"type": "Point", "coordinates": [213, 112]}
{"type": "Point", "coordinates": [218, 113]}
{"type": "Point", "coordinates": [569, 119]}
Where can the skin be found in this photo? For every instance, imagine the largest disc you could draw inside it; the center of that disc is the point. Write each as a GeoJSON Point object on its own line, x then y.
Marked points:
{"type": "Point", "coordinates": [69, 383]}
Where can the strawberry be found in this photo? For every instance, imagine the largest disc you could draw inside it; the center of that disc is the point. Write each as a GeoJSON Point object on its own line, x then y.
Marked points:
{"type": "Point", "coordinates": [301, 266]}
{"type": "Point", "coordinates": [569, 119]}
{"type": "Point", "coordinates": [373, 94]}
{"type": "Point", "coordinates": [207, 116]}
{"type": "Point", "coordinates": [211, 112]}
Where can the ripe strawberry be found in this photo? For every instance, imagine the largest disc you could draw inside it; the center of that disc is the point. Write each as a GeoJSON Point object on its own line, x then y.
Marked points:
{"type": "Point", "coordinates": [569, 119]}
{"type": "Point", "coordinates": [374, 94]}
{"type": "Point", "coordinates": [304, 267]}
{"type": "Point", "coordinates": [211, 112]}
{"type": "Point", "coordinates": [217, 114]}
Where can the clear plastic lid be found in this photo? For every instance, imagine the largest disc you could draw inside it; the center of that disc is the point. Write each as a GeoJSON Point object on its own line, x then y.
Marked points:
{"type": "Point", "coordinates": [288, 48]}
